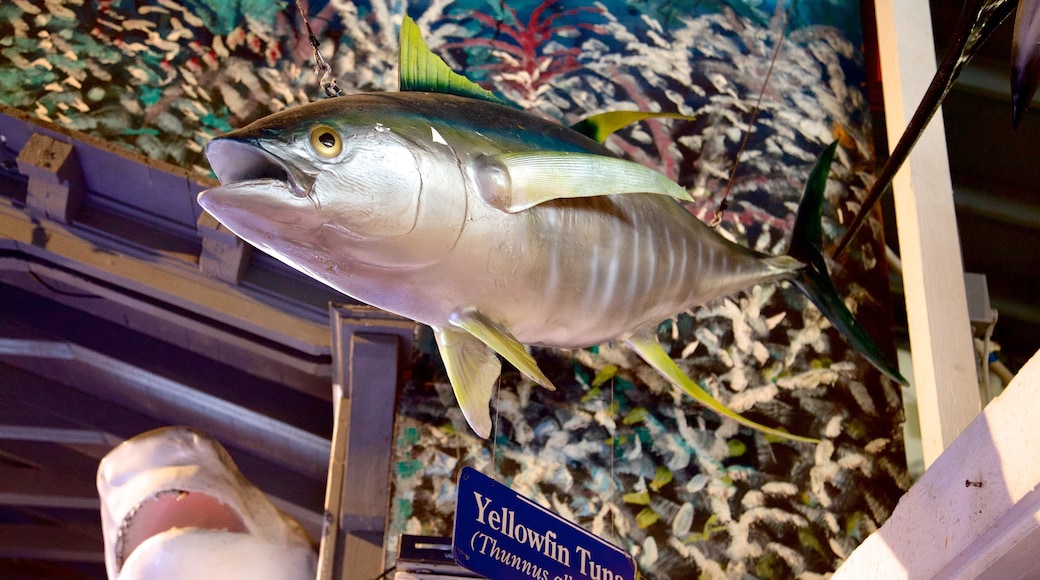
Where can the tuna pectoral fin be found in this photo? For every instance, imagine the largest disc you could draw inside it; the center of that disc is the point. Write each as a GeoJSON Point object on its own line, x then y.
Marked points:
{"type": "Point", "coordinates": [472, 369]}
{"type": "Point", "coordinates": [501, 341]}
{"type": "Point", "coordinates": [814, 280]}
{"type": "Point", "coordinates": [518, 181]}
{"type": "Point", "coordinates": [646, 345]}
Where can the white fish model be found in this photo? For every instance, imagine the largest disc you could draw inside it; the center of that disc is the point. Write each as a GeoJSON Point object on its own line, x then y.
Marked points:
{"type": "Point", "coordinates": [175, 507]}
{"type": "Point", "coordinates": [496, 228]}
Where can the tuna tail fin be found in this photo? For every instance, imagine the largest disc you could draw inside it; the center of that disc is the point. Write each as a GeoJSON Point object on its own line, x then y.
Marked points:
{"type": "Point", "coordinates": [814, 280]}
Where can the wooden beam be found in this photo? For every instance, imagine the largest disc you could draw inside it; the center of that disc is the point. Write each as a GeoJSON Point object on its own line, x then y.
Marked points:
{"type": "Point", "coordinates": [166, 286]}
{"type": "Point", "coordinates": [123, 383]}
{"type": "Point", "coordinates": [252, 355]}
{"type": "Point", "coordinates": [61, 435]}
{"type": "Point", "coordinates": [55, 543]}
{"type": "Point", "coordinates": [25, 486]}
{"type": "Point", "coordinates": [933, 277]}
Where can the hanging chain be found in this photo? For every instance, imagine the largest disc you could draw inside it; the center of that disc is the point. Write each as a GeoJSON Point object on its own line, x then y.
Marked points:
{"type": "Point", "coordinates": [321, 66]}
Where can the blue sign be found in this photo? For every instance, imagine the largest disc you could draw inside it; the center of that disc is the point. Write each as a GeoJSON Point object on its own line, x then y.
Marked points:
{"type": "Point", "coordinates": [502, 534]}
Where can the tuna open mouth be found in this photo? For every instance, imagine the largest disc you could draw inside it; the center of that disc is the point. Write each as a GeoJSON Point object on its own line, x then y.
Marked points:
{"type": "Point", "coordinates": [236, 161]}
{"type": "Point", "coordinates": [172, 509]}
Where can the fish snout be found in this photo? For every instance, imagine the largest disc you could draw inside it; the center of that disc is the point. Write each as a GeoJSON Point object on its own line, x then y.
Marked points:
{"type": "Point", "coordinates": [238, 159]}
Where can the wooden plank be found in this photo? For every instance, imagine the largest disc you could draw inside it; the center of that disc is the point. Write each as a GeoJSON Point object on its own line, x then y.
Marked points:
{"type": "Point", "coordinates": [116, 171]}
{"type": "Point", "coordinates": [61, 435]}
{"type": "Point", "coordinates": [933, 276]}
{"type": "Point", "coordinates": [54, 543]}
{"type": "Point", "coordinates": [310, 375]}
{"type": "Point", "coordinates": [116, 381]}
{"type": "Point", "coordinates": [121, 273]}
{"type": "Point", "coordinates": [976, 512]}
{"type": "Point", "coordinates": [23, 486]}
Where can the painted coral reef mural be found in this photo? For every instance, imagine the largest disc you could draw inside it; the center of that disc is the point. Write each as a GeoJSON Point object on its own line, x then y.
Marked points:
{"type": "Point", "coordinates": [615, 449]}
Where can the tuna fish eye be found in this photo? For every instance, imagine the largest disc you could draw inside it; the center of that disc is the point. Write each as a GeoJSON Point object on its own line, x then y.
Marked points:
{"type": "Point", "coordinates": [326, 141]}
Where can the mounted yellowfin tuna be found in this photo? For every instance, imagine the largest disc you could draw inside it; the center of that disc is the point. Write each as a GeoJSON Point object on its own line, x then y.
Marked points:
{"type": "Point", "coordinates": [496, 228]}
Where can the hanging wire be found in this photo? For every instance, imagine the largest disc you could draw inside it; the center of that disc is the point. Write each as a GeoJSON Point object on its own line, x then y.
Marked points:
{"type": "Point", "coordinates": [321, 66]}
{"type": "Point", "coordinates": [494, 432]}
{"type": "Point", "coordinates": [716, 220]}
{"type": "Point", "coordinates": [613, 450]}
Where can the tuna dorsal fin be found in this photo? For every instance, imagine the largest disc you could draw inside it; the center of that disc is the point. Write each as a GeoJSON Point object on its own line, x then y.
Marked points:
{"type": "Point", "coordinates": [602, 125]}
{"type": "Point", "coordinates": [513, 182]}
{"type": "Point", "coordinates": [421, 70]}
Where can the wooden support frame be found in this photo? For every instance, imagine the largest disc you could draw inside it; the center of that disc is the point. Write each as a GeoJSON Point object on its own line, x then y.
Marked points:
{"type": "Point", "coordinates": [933, 276]}
{"type": "Point", "coordinates": [369, 348]}
{"type": "Point", "coordinates": [974, 513]}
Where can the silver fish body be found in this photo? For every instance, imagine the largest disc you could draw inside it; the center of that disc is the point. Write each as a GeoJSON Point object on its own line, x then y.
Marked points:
{"type": "Point", "coordinates": [403, 222]}
{"type": "Point", "coordinates": [496, 228]}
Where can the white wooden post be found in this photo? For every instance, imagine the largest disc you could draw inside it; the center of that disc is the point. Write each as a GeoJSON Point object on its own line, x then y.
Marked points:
{"type": "Point", "coordinates": [933, 275]}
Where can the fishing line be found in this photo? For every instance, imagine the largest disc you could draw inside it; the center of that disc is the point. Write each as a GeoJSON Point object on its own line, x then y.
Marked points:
{"type": "Point", "coordinates": [613, 450]}
{"type": "Point", "coordinates": [494, 431]}
{"type": "Point", "coordinates": [321, 66]}
{"type": "Point", "coordinates": [716, 220]}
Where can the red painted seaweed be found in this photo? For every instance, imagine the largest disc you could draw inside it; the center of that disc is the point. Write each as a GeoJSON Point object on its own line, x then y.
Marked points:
{"type": "Point", "coordinates": [525, 66]}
